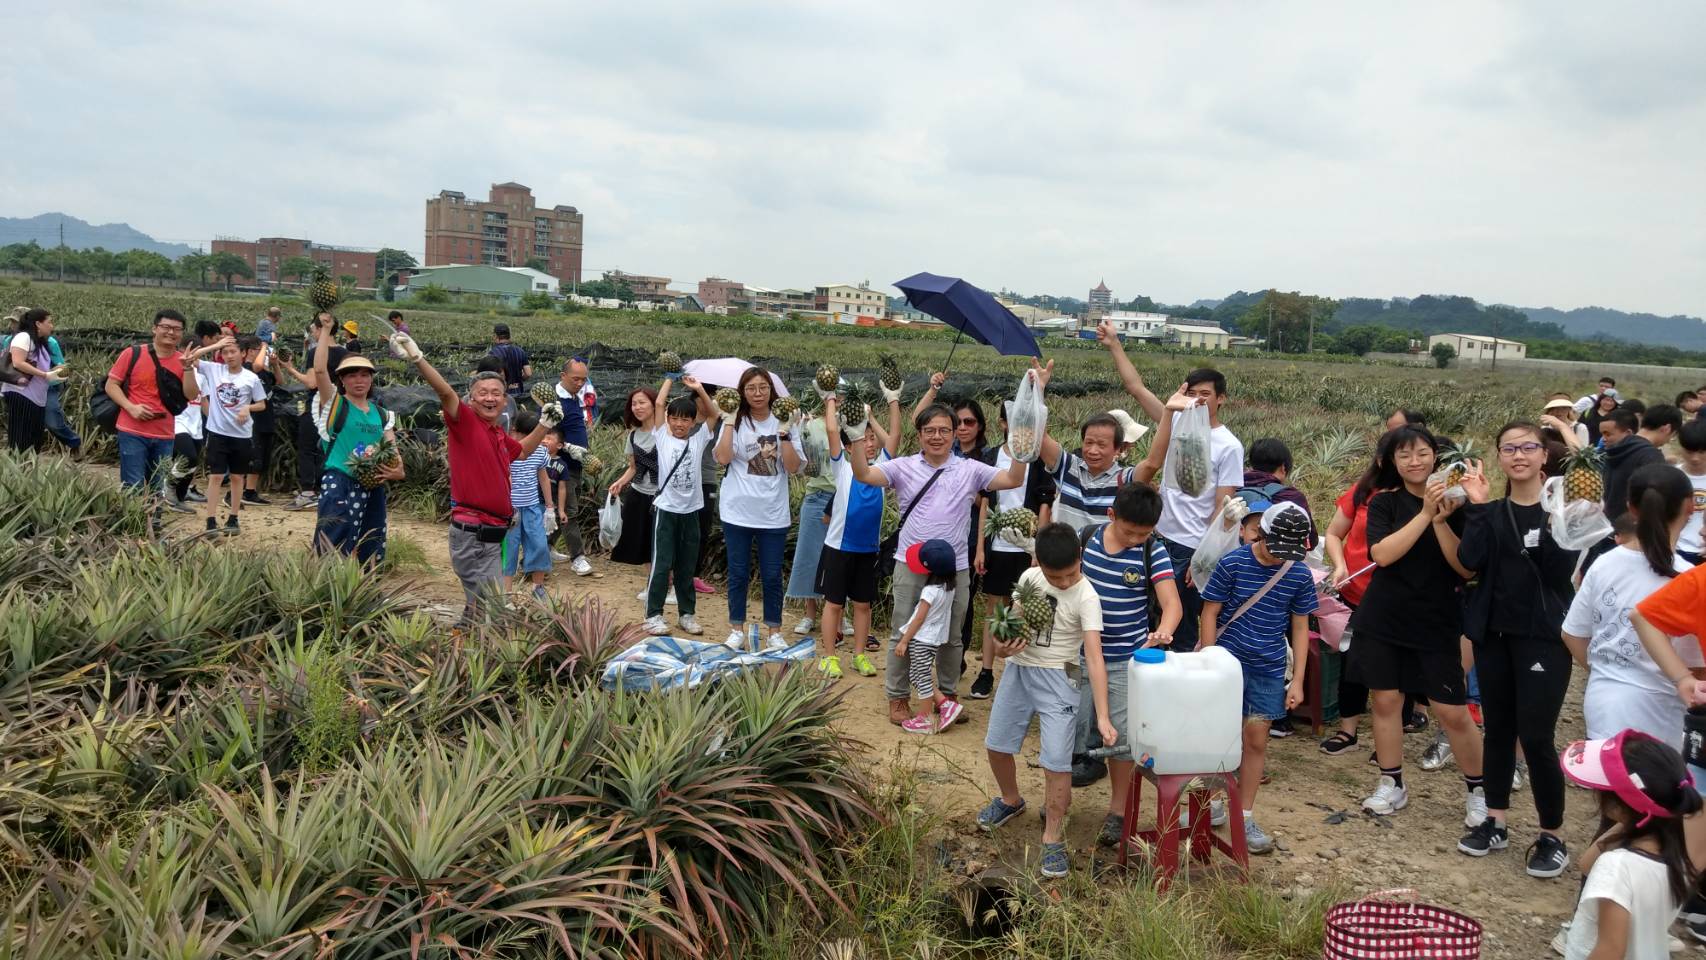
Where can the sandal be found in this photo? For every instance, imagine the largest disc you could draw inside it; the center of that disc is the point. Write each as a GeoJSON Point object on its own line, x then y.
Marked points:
{"type": "Point", "coordinates": [1338, 743]}
{"type": "Point", "coordinates": [873, 645]}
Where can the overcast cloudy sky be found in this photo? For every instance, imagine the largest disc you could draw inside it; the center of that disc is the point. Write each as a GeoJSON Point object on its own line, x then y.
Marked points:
{"type": "Point", "coordinates": [1544, 154]}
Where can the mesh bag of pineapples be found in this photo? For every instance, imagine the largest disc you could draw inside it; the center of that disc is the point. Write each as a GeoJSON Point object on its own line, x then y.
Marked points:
{"type": "Point", "coordinates": [1188, 463]}
{"type": "Point", "coordinates": [1027, 420]}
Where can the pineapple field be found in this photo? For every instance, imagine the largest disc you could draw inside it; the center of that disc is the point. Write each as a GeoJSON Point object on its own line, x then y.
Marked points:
{"type": "Point", "coordinates": [218, 752]}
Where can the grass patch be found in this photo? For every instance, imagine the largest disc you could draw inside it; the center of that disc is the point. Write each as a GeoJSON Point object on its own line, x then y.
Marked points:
{"type": "Point", "coordinates": [404, 555]}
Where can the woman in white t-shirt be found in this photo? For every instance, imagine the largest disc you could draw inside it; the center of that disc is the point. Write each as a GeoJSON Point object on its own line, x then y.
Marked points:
{"type": "Point", "coordinates": [1626, 689]}
{"type": "Point", "coordinates": [760, 453]}
{"type": "Point", "coordinates": [26, 403]}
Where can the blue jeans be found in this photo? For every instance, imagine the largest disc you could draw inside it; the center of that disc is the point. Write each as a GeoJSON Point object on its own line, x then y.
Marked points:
{"type": "Point", "coordinates": [771, 545]}
{"type": "Point", "coordinates": [351, 518]}
{"type": "Point", "coordinates": [56, 423]}
{"type": "Point", "coordinates": [808, 546]}
{"type": "Point", "coordinates": [526, 539]}
{"type": "Point", "coordinates": [139, 458]}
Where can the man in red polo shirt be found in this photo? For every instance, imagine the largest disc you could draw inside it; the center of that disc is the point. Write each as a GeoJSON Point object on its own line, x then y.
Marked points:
{"type": "Point", "coordinates": [480, 454]}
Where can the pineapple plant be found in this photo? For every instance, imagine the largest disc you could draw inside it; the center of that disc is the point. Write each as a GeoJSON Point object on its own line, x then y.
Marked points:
{"type": "Point", "coordinates": [1036, 609]}
{"type": "Point", "coordinates": [670, 361]}
{"type": "Point", "coordinates": [727, 400]}
{"type": "Point", "coordinates": [1584, 477]}
{"type": "Point", "coordinates": [323, 292]}
{"type": "Point", "coordinates": [890, 376]}
{"type": "Point", "coordinates": [827, 379]}
{"type": "Point", "coordinates": [785, 408]}
{"type": "Point", "coordinates": [369, 460]}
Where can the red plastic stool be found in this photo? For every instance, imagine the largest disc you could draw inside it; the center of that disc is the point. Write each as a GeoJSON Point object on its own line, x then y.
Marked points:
{"type": "Point", "coordinates": [1166, 835]}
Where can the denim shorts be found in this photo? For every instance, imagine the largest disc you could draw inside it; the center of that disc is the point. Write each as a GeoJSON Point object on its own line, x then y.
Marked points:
{"type": "Point", "coordinates": [527, 537]}
{"type": "Point", "coordinates": [1042, 692]}
{"type": "Point", "coordinates": [1264, 696]}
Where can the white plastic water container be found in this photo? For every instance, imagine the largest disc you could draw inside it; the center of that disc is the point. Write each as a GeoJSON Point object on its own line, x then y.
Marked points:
{"type": "Point", "coordinates": [1185, 710]}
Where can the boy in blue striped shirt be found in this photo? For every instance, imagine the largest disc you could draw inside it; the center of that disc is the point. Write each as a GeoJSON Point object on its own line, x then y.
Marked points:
{"type": "Point", "coordinates": [1259, 595]}
{"type": "Point", "coordinates": [530, 495]}
{"type": "Point", "coordinates": [1124, 561]}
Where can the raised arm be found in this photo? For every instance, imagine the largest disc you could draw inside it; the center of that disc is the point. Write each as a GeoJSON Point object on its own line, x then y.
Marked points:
{"type": "Point", "coordinates": [936, 380]}
{"type": "Point", "coordinates": [832, 426]}
{"type": "Point", "coordinates": [656, 420]}
{"type": "Point", "coordinates": [1129, 377]}
{"type": "Point", "coordinates": [448, 401]}
{"type": "Point", "coordinates": [707, 409]}
{"type": "Point", "coordinates": [1156, 458]}
{"type": "Point", "coordinates": [890, 438]}
{"type": "Point", "coordinates": [322, 381]}
{"type": "Point", "coordinates": [862, 469]}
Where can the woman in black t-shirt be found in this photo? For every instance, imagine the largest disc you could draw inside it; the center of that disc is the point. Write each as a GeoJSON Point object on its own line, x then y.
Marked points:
{"type": "Point", "coordinates": [1411, 616]}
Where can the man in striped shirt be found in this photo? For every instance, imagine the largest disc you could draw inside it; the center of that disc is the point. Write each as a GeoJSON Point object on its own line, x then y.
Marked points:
{"type": "Point", "coordinates": [1125, 564]}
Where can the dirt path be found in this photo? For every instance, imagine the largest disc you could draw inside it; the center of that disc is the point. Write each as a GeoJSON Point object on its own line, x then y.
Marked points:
{"type": "Point", "coordinates": [1416, 849]}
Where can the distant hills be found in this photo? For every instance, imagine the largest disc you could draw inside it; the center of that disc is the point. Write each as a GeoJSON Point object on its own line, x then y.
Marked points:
{"type": "Point", "coordinates": [1586, 323]}
{"type": "Point", "coordinates": [83, 235]}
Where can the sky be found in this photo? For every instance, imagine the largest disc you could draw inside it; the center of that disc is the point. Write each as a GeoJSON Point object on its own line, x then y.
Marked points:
{"type": "Point", "coordinates": [1539, 154]}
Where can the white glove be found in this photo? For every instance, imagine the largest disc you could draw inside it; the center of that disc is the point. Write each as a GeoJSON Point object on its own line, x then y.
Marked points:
{"type": "Point", "coordinates": [404, 346]}
{"type": "Point", "coordinates": [576, 451]}
{"type": "Point", "coordinates": [792, 424]}
{"type": "Point", "coordinates": [551, 414]}
{"type": "Point", "coordinates": [550, 522]}
{"type": "Point", "coordinates": [726, 416]}
{"type": "Point", "coordinates": [56, 375]}
{"type": "Point", "coordinates": [889, 396]}
{"type": "Point", "coordinates": [857, 430]}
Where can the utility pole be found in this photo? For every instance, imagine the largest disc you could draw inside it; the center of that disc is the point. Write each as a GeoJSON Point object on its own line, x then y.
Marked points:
{"type": "Point", "coordinates": [61, 249]}
{"type": "Point", "coordinates": [1495, 364]}
{"type": "Point", "coordinates": [1312, 309]}
{"type": "Point", "coordinates": [1270, 320]}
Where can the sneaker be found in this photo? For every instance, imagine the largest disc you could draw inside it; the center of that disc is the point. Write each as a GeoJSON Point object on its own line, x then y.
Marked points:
{"type": "Point", "coordinates": [1388, 798]}
{"type": "Point", "coordinates": [1486, 837]}
{"type": "Point", "coordinates": [655, 626]}
{"type": "Point", "coordinates": [212, 525]}
{"type": "Point", "coordinates": [539, 593]}
{"type": "Point", "coordinates": [1279, 730]}
{"type": "Point", "coordinates": [804, 627]}
{"type": "Point", "coordinates": [900, 710]}
{"type": "Point", "coordinates": [983, 685]}
{"type": "Point", "coordinates": [1217, 813]}
{"type": "Point", "coordinates": [250, 496]}
{"type": "Point", "coordinates": [558, 556]}
{"type": "Point", "coordinates": [1113, 825]}
{"type": "Point", "coordinates": [1561, 940]}
{"type": "Point", "coordinates": [735, 640]}
{"type": "Point", "coordinates": [863, 666]}
{"type": "Point", "coordinates": [1438, 752]}
{"type": "Point", "coordinates": [196, 496]}
{"type": "Point", "coordinates": [923, 723]}
{"type": "Point", "coordinates": [997, 813]}
{"type": "Point", "coordinates": [847, 627]}
{"type": "Point", "coordinates": [641, 596]}
{"type": "Point", "coordinates": [1055, 862]}
{"type": "Point", "coordinates": [231, 526]}
{"type": "Point", "coordinates": [1339, 742]}
{"type": "Point", "coordinates": [1696, 929]}
{"type": "Point", "coordinates": [1547, 857]}
{"type": "Point", "coordinates": [1256, 840]}
{"type": "Point", "coordinates": [1694, 911]}
{"type": "Point", "coordinates": [775, 642]}
{"type": "Point", "coordinates": [175, 505]}
{"type": "Point", "coordinates": [830, 667]}
{"type": "Point", "coordinates": [1475, 808]}
{"type": "Point", "coordinates": [581, 566]}
{"type": "Point", "coordinates": [949, 712]}
{"type": "Point", "coordinates": [303, 500]}
{"type": "Point", "coordinates": [690, 625]}
{"type": "Point", "coordinates": [1416, 722]}
{"type": "Point", "coordinates": [700, 586]}
{"type": "Point", "coordinates": [1516, 776]}
{"type": "Point", "coordinates": [1086, 771]}
{"type": "Point", "coordinates": [669, 598]}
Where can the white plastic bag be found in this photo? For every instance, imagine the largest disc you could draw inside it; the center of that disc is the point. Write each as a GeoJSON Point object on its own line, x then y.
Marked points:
{"type": "Point", "coordinates": [610, 522]}
{"type": "Point", "coordinates": [1221, 539]}
{"type": "Point", "coordinates": [1452, 476]}
{"type": "Point", "coordinates": [1189, 464]}
{"type": "Point", "coordinates": [1027, 419]}
{"type": "Point", "coordinates": [1576, 524]}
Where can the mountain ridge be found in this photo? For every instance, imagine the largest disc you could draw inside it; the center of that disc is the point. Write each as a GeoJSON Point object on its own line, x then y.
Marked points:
{"type": "Point", "coordinates": [80, 234]}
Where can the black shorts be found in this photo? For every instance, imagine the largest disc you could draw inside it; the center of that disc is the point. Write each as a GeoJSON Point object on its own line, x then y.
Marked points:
{"type": "Point", "coordinates": [846, 577]}
{"type": "Point", "coordinates": [1001, 571]}
{"type": "Point", "coordinates": [1380, 664]}
{"type": "Point", "coordinates": [229, 454]}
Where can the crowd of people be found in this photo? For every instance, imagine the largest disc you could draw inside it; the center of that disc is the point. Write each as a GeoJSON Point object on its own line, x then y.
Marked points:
{"type": "Point", "coordinates": [1467, 613]}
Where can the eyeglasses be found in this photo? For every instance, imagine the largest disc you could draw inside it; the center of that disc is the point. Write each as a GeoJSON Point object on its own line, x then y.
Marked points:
{"type": "Point", "coordinates": [1512, 449]}
{"type": "Point", "coordinates": [936, 432]}
{"type": "Point", "coordinates": [969, 422]}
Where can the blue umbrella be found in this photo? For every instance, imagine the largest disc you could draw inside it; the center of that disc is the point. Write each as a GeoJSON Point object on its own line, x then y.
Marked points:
{"type": "Point", "coordinates": [971, 311]}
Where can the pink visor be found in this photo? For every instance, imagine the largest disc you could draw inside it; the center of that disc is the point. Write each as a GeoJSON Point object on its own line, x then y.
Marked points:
{"type": "Point", "coordinates": [1599, 764]}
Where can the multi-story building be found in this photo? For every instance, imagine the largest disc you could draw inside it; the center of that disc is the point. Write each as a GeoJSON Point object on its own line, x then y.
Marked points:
{"type": "Point", "coordinates": [1101, 301]}
{"type": "Point", "coordinates": [847, 303]}
{"type": "Point", "coordinates": [719, 292]}
{"type": "Point", "coordinates": [652, 289]}
{"type": "Point", "coordinates": [1137, 325]}
{"type": "Point", "coordinates": [266, 258]}
{"type": "Point", "coordinates": [507, 230]}
{"type": "Point", "coordinates": [780, 303]}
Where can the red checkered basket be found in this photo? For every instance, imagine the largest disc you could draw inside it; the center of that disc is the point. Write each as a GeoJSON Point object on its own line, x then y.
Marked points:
{"type": "Point", "coordinates": [1389, 925]}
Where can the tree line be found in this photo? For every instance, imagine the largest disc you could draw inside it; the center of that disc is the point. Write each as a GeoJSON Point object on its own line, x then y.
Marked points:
{"type": "Point", "coordinates": [225, 268]}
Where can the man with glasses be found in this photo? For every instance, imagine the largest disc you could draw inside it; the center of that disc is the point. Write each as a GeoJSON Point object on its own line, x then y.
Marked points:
{"type": "Point", "coordinates": [580, 406]}
{"type": "Point", "coordinates": [147, 383]}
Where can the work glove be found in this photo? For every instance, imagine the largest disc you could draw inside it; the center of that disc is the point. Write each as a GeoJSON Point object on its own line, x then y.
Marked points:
{"type": "Point", "coordinates": [575, 451]}
{"type": "Point", "coordinates": [889, 396]}
{"type": "Point", "coordinates": [551, 414]}
{"type": "Point", "coordinates": [404, 346]}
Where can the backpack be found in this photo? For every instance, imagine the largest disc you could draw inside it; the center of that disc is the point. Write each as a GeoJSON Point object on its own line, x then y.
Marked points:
{"type": "Point", "coordinates": [1152, 609]}
{"type": "Point", "coordinates": [338, 414]}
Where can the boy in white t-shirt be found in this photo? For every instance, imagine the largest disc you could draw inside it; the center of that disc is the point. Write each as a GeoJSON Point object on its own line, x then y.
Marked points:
{"type": "Point", "coordinates": [847, 568]}
{"type": "Point", "coordinates": [1041, 680]}
{"type": "Point", "coordinates": [234, 395]}
{"type": "Point", "coordinates": [1693, 442]}
{"type": "Point", "coordinates": [1184, 518]}
{"type": "Point", "coordinates": [677, 426]}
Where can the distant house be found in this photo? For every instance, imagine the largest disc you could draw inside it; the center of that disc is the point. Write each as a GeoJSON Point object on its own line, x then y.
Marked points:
{"type": "Point", "coordinates": [1198, 336]}
{"type": "Point", "coordinates": [1471, 346]}
{"type": "Point", "coordinates": [1137, 325]}
{"type": "Point", "coordinates": [506, 284]}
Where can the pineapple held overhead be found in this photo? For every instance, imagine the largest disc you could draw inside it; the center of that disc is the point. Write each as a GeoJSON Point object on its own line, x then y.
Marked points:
{"type": "Point", "coordinates": [827, 379]}
{"type": "Point", "coordinates": [670, 361]}
{"type": "Point", "coordinates": [323, 293]}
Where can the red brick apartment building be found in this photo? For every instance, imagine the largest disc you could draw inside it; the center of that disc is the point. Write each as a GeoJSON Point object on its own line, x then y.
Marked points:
{"type": "Point", "coordinates": [506, 230]}
{"type": "Point", "coordinates": [267, 255]}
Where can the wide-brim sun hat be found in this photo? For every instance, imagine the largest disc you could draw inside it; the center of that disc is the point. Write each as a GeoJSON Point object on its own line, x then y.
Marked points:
{"type": "Point", "coordinates": [1559, 404]}
{"type": "Point", "coordinates": [355, 361]}
{"type": "Point", "coordinates": [352, 328]}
